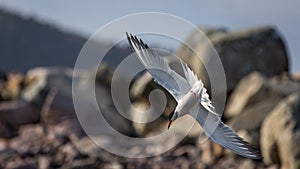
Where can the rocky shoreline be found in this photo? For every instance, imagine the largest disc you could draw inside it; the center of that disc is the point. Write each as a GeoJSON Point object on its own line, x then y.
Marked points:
{"type": "Point", "coordinates": [39, 127]}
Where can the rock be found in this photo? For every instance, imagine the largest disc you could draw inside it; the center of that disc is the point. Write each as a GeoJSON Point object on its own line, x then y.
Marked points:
{"type": "Point", "coordinates": [243, 93]}
{"type": "Point", "coordinates": [140, 128]}
{"type": "Point", "coordinates": [69, 150]}
{"type": "Point", "coordinates": [210, 151]}
{"type": "Point", "coordinates": [113, 166]}
{"type": "Point", "coordinates": [275, 166]}
{"type": "Point", "coordinates": [86, 146]}
{"type": "Point", "coordinates": [256, 102]}
{"type": "Point", "coordinates": [21, 163]}
{"type": "Point", "coordinates": [58, 115]}
{"type": "Point", "coordinates": [105, 102]}
{"type": "Point", "coordinates": [44, 79]}
{"type": "Point", "coordinates": [43, 162]}
{"type": "Point", "coordinates": [140, 85]}
{"type": "Point", "coordinates": [280, 134]}
{"type": "Point", "coordinates": [66, 155]}
{"type": "Point", "coordinates": [155, 119]}
{"type": "Point", "coordinates": [13, 114]}
{"type": "Point", "coordinates": [51, 89]}
{"type": "Point", "coordinates": [104, 74]}
{"type": "Point", "coordinates": [3, 145]}
{"type": "Point", "coordinates": [249, 164]}
{"type": "Point", "coordinates": [11, 87]}
{"type": "Point", "coordinates": [6, 156]}
{"type": "Point", "coordinates": [30, 140]}
{"type": "Point", "coordinates": [297, 76]}
{"type": "Point", "coordinates": [241, 52]}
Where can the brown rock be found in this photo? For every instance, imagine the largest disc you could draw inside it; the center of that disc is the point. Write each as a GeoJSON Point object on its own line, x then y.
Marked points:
{"type": "Point", "coordinates": [11, 89]}
{"type": "Point", "coordinates": [249, 164]}
{"type": "Point", "coordinates": [29, 141]}
{"type": "Point", "coordinates": [86, 146]}
{"type": "Point", "coordinates": [210, 151]}
{"type": "Point", "coordinates": [43, 162]}
{"type": "Point", "coordinates": [140, 85]}
{"type": "Point", "coordinates": [297, 76]}
{"type": "Point", "coordinates": [280, 134]}
{"type": "Point", "coordinates": [156, 120]}
{"type": "Point", "coordinates": [248, 87]}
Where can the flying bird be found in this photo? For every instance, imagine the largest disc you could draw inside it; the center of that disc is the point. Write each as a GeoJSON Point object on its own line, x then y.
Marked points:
{"type": "Point", "coordinates": [191, 96]}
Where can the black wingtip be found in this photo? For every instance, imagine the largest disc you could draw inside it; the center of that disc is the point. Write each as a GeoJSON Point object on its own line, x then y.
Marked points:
{"type": "Point", "coordinates": [133, 39]}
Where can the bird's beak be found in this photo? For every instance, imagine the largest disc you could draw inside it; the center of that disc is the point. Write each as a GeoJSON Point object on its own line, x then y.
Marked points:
{"type": "Point", "coordinates": [170, 122]}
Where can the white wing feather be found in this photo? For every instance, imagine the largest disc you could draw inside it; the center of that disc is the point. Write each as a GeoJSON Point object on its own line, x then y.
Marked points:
{"type": "Point", "coordinates": [212, 124]}
{"type": "Point", "coordinates": [222, 134]}
{"type": "Point", "coordinates": [175, 84]}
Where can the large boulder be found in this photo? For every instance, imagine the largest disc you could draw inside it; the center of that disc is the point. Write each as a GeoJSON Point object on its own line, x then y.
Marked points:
{"type": "Point", "coordinates": [254, 98]}
{"type": "Point", "coordinates": [105, 103]}
{"type": "Point", "coordinates": [44, 79]}
{"type": "Point", "coordinates": [280, 134]}
{"type": "Point", "coordinates": [247, 88]}
{"type": "Point", "coordinates": [14, 114]}
{"type": "Point", "coordinates": [241, 52]}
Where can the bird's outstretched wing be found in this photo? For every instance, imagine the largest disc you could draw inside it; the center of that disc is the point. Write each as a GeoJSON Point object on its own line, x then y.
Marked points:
{"type": "Point", "coordinates": [212, 125]}
{"type": "Point", "coordinates": [175, 84]}
{"type": "Point", "coordinates": [222, 134]}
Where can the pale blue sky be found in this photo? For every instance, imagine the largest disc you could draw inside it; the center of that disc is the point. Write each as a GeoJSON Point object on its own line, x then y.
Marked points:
{"type": "Point", "coordinates": [85, 17]}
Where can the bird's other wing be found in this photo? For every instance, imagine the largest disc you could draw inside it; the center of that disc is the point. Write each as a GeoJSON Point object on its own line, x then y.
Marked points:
{"type": "Point", "coordinates": [205, 101]}
{"type": "Point", "coordinates": [175, 84]}
{"type": "Point", "coordinates": [189, 74]}
{"type": "Point", "coordinates": [192, 78]}
{"type": "Point", "coordinates": [222, 134]}
{"type": "Point", "coordinates": [212, 125]}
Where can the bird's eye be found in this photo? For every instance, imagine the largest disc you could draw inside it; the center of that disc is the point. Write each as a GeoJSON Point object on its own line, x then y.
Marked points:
{"type": "Point", "coordinates": [171, 115]}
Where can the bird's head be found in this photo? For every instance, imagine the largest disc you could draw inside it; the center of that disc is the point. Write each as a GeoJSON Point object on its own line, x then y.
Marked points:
{"type": "Point", "coordinates": [173, 116]}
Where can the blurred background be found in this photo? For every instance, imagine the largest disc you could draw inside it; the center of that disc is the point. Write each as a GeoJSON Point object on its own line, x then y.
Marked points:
{"type": "Point", "coordinates": [258, 43]}
{"type": "Point", "coordinates": [82, 19]}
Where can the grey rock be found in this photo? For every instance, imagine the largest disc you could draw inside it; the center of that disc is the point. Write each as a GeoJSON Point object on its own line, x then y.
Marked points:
{"type": "Point", "coordinates": [147, 120]}
{"type": "Point", "coordinates": [86, 146]}
{"type": "Point", "coordinates": [20, 163]}
{"type": "Point", "coordinates": [43, 79]}
{"type": "Point", "coordinates": [140, 85]}
{"type": "Point", "coordinates": [249, 164]}
{"type": "Point", "coordinates": [30, 140]}
{"type": "Point", "coordinates": [105, 103]}
{"type": "Point", "coordinates": [245, 89]}
{"type": "Point", "coordinates": [17, 113]}
{"type": "Point", "coordinates": [241, 52]}
{"type": "Point", "coordinates": [43, 162]}
{"type": "Point", "coordinates": [251, 105]}
{"type": "Point", "coordinates": [280, 134]}
{"type": "Point", "coordinates": [6, 156]}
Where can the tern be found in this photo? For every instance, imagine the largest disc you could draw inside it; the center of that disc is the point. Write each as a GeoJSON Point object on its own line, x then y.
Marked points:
{"type": "Point", "coordinates": [191, 96]}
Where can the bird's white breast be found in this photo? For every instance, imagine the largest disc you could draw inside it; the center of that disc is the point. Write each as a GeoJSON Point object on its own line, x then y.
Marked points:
{"type": "Point", "coordinates": [188, 101]}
